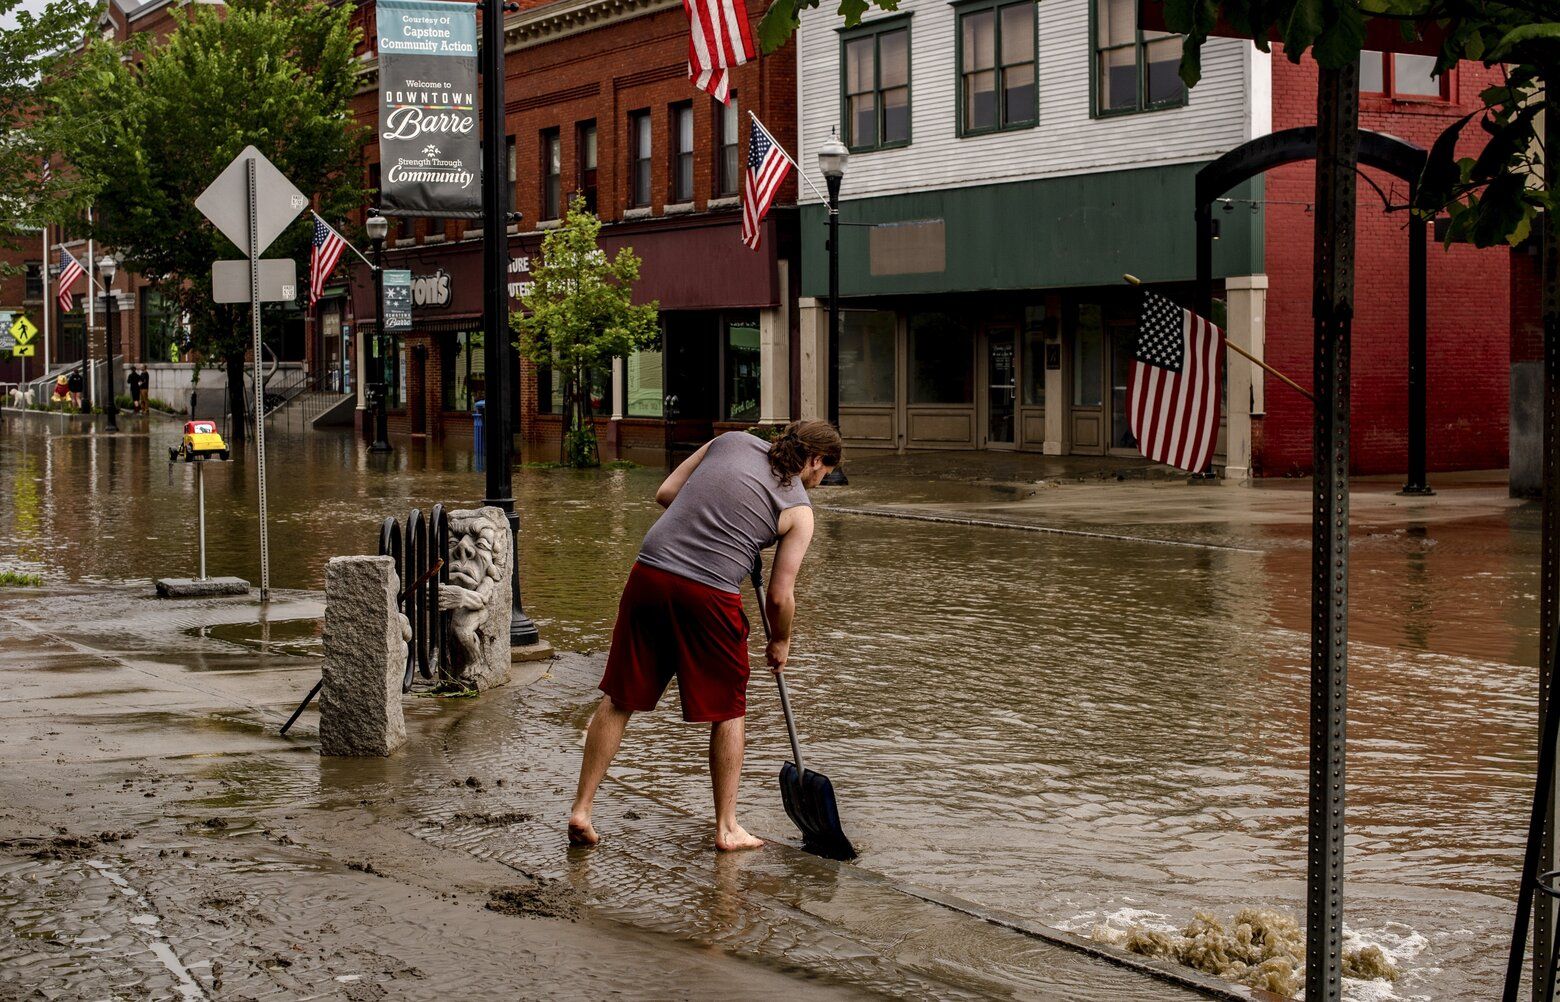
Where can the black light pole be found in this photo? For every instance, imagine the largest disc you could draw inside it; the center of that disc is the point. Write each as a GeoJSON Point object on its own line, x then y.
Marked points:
{"type": "Point", "coordinates": [831, 161]}
{"type": "Point", "coordinates": [107, 268]}
{"type": "Point", "coordinates": [378, 227]}
{"type": "Point", "coordinates": [495, 320]}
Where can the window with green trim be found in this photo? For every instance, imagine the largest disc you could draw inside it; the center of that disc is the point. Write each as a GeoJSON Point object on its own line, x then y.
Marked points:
{"type": "Point", "coordinates": [1134, 70]}
{"type": "Point", "coordinates": [997, 67]}
{"type": "Point", "coordinates": [876, 106]}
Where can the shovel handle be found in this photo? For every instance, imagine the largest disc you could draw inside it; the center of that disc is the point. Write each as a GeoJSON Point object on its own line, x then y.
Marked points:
{"type": "Point", "coordinates": [785, 700]}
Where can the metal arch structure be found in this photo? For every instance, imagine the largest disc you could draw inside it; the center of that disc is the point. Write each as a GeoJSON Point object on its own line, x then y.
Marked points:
{"type": "Point", "coordinates": [1376, 149]}
{"type": "Point", "coordinates": [1338, 146]}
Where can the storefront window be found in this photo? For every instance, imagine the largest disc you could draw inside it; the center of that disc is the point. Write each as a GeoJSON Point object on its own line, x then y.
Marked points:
{"type": "Point", "coordinates": [464, 365]}
{"type": "Point", "coordinates": [742, 372]}
{"type": "Point", "coordinates": [71, 343]}
{"type": "Point", "coordinates": [1122, 341]}
{"type": "Point", "coordinates": [942, 359]}
{"type": "Point", "coordinates": [867, 353]}
{"type": "Point", "coordinates": [646, 384]}
{"type": "Point", "coordinates": [394, 370]}
{"type": "Point", "coordinates": [159, 327]}
{"type": "Point", "coordinates": [1034, 356]}
{"type": "Point", "coordinates": [1088, 357]}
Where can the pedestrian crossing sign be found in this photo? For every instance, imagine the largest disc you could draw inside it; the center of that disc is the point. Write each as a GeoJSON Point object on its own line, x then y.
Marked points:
{"type": "Point", "coordinates": [23, 330]}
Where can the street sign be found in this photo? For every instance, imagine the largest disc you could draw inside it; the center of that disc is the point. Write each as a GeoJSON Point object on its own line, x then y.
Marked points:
{"type": "Point", "coordinates": [24, 351]}
{"type": "Point", "coordinates": [278, 280]}
{"type": "Point", "coordinates": [22, 329]}
{"type": "Point", "coordinates": [226, 202]}
{"type": "Point", "coordinates": [398, 299]}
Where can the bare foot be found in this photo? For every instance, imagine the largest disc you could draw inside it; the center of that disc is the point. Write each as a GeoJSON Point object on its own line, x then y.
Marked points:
{"type": "Point", "coordinates": [735, 838]}
{"type": "Point", "coordinates": [582, 832]}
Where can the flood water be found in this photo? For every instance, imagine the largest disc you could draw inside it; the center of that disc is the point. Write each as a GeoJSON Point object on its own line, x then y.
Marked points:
{"type": "Point", "coordinates": [1075, 729]}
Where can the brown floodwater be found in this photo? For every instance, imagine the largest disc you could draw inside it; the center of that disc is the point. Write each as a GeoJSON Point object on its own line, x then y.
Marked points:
{"type": "Point", "coordinates": [1082, 730]}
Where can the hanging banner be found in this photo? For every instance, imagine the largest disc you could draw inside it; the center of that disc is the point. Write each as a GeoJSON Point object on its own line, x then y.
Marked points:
{"type": "Point", "coordinates": [430, 148]}
{"type": "Point", "coordinates": [398, 299]}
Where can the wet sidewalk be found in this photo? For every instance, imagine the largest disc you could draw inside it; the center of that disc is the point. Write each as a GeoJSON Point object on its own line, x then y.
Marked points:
{"type": "Point", "coordinates": [165, 837]}
{"type": "Point", "coordinates": [1131, 499]}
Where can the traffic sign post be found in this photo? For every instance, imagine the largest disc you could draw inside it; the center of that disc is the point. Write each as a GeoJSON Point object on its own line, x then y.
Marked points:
{"type": "Point", "coordinates": [252, 202]}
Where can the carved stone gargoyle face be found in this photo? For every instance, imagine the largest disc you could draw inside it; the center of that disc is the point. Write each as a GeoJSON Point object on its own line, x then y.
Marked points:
{"type": "Point", "coordinates": [472, 561]}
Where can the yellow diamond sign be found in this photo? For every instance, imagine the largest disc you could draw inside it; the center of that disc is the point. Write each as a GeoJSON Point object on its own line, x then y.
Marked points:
{"type": "Point", "coordinates": [23, 330]}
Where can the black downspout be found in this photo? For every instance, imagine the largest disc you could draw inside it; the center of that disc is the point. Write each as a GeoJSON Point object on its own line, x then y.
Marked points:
{"type": "Point", "coordinates": [1417, 353]}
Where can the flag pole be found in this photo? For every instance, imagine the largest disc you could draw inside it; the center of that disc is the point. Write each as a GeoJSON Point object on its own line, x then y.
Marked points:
{"type": "Point", "coordinates": [799, 172]}
{"type": "Point", "coordinates": [1248, 356]}
{"type": "Point", "coordinates": [47, 310]}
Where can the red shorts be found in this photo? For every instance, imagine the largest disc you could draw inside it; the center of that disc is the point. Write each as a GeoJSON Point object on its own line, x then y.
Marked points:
{"type": "Point", "coordinates": [669, 625]}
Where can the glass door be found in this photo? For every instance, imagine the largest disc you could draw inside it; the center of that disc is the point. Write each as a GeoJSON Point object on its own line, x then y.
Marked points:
{"type": "Point", "coordinates": [1122, 342]}
{"type": "Point", "coordinates": [1001, 387]}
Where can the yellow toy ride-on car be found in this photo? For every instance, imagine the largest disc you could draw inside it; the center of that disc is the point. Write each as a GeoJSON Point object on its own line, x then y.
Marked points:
{"type": "Point", "coordinates": [201, 442]}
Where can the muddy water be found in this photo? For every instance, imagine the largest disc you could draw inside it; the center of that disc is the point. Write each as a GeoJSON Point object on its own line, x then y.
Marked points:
{"type": "Point", "coordinates": [1075, 729]}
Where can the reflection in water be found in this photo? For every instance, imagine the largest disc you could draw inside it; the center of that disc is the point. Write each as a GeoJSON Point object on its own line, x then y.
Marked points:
{"type": "Point", "coordinates": [1058, 726]}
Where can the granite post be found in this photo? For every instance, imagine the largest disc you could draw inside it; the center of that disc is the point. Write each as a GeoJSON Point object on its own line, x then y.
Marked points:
{"type": "Point", "coordinates": [365, 658]}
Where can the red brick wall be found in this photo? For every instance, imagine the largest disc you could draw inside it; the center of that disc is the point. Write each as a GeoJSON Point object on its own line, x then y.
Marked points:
{"type": "Point", "coordinates": [1468, 309]}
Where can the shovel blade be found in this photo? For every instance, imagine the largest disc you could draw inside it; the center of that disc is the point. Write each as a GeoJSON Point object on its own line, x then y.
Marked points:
{"type": "Point", "coordinates": [809, 802]}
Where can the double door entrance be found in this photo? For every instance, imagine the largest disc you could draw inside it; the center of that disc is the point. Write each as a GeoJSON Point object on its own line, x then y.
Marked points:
{"type": "Point", "coordinates": [1100, 374]}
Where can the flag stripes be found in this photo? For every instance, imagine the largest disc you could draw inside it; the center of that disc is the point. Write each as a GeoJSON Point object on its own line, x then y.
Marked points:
{"type": "Point", "coordinates": [70, 271]}
{"type": "Point", "coordinates": [719, 38]}
{"type": "Point", "coordinates": [767, 167]}
{"type": "Point", "coordinates": [328, 246]}
{"type": "Point", "coordinates": [1173, 401]}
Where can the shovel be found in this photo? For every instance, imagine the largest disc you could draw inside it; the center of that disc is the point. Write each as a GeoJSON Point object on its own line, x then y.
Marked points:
{"type": "Point", "coordinates": [808, 796]}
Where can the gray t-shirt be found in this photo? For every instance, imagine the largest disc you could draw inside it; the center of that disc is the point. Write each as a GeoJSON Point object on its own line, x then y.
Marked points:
{"type": "Point", "coordinates": [727, 511]}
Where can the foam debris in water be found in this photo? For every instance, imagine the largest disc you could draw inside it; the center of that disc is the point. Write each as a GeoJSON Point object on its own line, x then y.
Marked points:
{"type": "Point", "coordinates": [1263, 949]}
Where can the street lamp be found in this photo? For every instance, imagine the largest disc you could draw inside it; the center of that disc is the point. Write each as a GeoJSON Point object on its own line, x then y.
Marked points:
{"type": "Point", "coordinates": [107, 268]}
{"type": "Point", "coordinates": [832, 158]}
{"type": "Point", "coordinates": [378, 227]}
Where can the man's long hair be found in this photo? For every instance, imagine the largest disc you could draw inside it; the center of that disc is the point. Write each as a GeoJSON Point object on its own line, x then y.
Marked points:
{"type": "Point", "coordinates": [798, 443]}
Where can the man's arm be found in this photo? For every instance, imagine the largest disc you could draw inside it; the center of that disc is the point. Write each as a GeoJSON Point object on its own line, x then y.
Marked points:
{"type": "Point", "coordinates": [796, 530]}
{"type": "Point", "coordinates": [667, 492]}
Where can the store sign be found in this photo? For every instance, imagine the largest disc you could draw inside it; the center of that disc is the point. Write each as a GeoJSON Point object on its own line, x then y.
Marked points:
{"type": "Point", "coordinates": [519, 278]}
{"type": "Point", "coordinates": [429, 145]}
{"type": "Point", "coordinates": [431, 290]}
{"type": "Point", "coordinates": [398, 299]}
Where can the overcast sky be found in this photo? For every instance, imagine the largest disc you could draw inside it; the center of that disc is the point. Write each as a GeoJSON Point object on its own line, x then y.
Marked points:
{"type": "Point", "coordinates": [9, 20]}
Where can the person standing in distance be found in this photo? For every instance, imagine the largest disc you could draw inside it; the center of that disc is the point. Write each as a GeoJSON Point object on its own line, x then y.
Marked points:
{"type": "Point", "coordinates": [681, 610]}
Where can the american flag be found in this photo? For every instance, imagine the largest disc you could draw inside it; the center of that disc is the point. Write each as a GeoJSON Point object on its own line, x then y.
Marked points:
{"type": "Point", "coordinates": [328, 245]}
{"type": "Point", "coordinates": [1173, 403]}
{"type": "Point", "coordinates": [718, 38]}
{"type": "Point", "coordinates": [70, 270]}
{"type": "Point", "coordinates": [767, 167]}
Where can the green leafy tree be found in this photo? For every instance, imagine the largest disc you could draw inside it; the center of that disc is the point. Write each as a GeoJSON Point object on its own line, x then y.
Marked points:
{"type": "Point", "coordinates": [1492, 198]}
{"type": "Point", "coordinates": [579, 314]}
{"type": "Point", "coordinates": [31, 52]}
{"type": "Point", "coordinates": [149, 125]}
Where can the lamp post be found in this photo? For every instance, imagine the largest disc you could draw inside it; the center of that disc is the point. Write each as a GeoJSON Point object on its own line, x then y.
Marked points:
{"type": "Point", "coordinates": [498, 352]}
{"type": "Point", "coordinates": [107, 268]}
{"type": "Point", "coordinates": [832, 158]}
{"type": "Point", "coordinates": [378, 227]}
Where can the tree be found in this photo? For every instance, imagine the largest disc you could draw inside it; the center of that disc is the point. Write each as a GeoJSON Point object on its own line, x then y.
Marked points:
{"type": "Point", "coordinates": [149, 125]}
{"type": "Point", "coordinates": [30, 53]}
{"type": "Point", "coordinates": [578, 315]}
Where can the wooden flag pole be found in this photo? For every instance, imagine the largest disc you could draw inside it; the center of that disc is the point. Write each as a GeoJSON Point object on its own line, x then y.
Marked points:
{"type": "Point", "coordinates": [1243, 353]}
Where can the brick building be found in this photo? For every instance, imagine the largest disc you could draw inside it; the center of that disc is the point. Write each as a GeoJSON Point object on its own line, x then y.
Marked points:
{"type": "Point", "coordinates": [598, 102]}
{"type": "Point", "coordinates": [1469, 337]}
